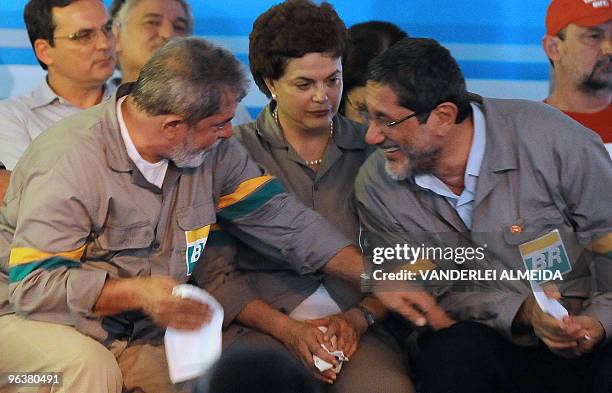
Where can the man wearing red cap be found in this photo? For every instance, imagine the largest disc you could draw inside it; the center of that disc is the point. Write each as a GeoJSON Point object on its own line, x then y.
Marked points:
{"type": "Point", "coordinates": [578, 42]}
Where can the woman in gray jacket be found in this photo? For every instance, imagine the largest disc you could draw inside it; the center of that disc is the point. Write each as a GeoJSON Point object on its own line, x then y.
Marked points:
{"type": "Point", "coordinates": [295, 55]}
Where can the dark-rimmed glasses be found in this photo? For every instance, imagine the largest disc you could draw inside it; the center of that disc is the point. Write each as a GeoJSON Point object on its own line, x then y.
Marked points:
{"type": "Point", "coordinates": [393, 123]}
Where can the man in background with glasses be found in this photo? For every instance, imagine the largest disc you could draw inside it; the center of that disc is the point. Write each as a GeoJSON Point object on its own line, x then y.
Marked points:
{"type": "Point", "coordinates": [515, 179]}
{"type": "Point", "coordinates": [73, 42]}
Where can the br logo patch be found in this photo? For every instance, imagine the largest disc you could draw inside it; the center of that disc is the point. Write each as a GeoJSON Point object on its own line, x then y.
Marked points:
{"type": "Point", "coordinates": [196, 241]}
{"type": "Point", "coordinates": [546, 253]}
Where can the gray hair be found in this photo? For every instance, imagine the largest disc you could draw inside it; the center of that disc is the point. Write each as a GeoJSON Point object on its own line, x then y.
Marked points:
{"type": "Point", "coordinates": [188, 77]}
{"type": "Point", "coordinates": [119, 8]}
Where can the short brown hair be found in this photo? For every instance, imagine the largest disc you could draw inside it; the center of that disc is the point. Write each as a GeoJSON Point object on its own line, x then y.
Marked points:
{"type": "Point", "coordinates": [291, 30]}
{"type": "Point", "coordinates": [38, 17]}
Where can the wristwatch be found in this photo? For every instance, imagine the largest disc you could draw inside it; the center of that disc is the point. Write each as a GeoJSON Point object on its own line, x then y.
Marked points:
{"type": "Point", "coordinates": [369, 317]}
{"type": "Point", "coordinates": [366, 282]}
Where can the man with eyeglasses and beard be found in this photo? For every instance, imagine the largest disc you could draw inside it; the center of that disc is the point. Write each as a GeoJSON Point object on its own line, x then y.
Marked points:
{"type": "Point", "coordinates": [513, 178]}
{"type": "Point", "coordinates": [578, 42]}
{"type": "Point", "coordinates": [74, 43]}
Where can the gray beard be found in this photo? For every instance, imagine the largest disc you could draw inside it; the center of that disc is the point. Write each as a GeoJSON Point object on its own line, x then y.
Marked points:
{"type": "Point", "coordinates": [398, 172]}
{"type": "Point", "coordinates": [415, 163]}
{"type": "Point", "coordinates": [184, 158]}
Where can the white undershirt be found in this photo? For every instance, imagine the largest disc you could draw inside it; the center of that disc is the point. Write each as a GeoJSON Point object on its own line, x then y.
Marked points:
{"type": "Point", "coordinates": [153, 172]}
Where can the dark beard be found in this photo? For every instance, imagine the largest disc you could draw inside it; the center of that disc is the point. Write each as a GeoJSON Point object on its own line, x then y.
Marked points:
{"type": "Point", "coordinates": [593, 84]}
{"type": "Point", "coordinates": [422, 162]}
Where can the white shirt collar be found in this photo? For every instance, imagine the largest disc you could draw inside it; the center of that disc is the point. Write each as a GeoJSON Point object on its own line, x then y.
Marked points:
{"type": "Point", "coordinates": [153, 172]}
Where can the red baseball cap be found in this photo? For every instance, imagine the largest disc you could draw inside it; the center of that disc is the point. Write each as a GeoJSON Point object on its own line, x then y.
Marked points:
{"type": "Point", "coordinates": [584, 13]}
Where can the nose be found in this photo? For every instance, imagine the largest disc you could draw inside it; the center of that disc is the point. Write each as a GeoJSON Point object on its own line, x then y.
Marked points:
{"type": "Point", "coordinates": [374, 135]}
{"type": "Point", "coordinates": [320, 95]}
{"type": "Point", "coordinates": [166, 31]}
{"type": "Point", "coordinates": [104, 41]}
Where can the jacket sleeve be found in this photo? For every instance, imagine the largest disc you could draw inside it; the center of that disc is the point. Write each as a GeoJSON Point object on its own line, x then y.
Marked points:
{"type": "Point", "coordinates": [218, 274]}
{"type": "Point", "coordinates": [586, 172]}
{"type": "Point", "coordinates": [256, 209]}
{"type": "Point", "coordinates": [48, 279]}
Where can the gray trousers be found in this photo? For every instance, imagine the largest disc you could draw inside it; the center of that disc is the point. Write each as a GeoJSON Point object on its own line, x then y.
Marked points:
{"type": "Point", "coordinates": [378, 366]}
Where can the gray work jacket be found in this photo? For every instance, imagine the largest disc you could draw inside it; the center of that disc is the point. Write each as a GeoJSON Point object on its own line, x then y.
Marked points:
{"type": "Point", "coordinates": [541, 171]}
{"type": "Point", "coordinates": [78, 211]}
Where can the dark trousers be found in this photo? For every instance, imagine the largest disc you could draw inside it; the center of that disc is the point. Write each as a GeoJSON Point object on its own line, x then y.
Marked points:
{"type": "Point", "coordinates": [471, 357]}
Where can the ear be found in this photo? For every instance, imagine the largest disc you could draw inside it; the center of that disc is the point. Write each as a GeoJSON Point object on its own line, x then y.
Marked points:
{"type": "Point", "coordinates": [442, 118]}
{"type": "Point", "coordinates": [173, 127]}
{"type": "Point", "coordinates": [270, 85]}
{"type": "Point", "coordinates": [43, 51]}
{"type": "Point", "coordinates": [551, 47]}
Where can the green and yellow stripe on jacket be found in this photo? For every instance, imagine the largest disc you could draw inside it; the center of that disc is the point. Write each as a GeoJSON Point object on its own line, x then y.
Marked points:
{"type": "Point", "coordinates": [249, 196]}
{"type": "Point", "coordinates": [24, 260]}
{"type": "Point", "coordinates": [602, 245]}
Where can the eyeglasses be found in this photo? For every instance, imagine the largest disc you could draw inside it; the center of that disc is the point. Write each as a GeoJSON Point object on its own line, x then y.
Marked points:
{"type": "Point", "coordinates": [391, 124]}
{"type": "Point", "coordinates": [396, 122]}
{"type": "Point", "coordinates": [87, 36]}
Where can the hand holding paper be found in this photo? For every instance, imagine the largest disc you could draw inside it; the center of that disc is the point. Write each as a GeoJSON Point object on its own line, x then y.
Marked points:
{"type": "Point", "coordinates": [547, 299]}
{"type": "Point", "coordinates": [321, 364]}
{"type": "Point", "coordinates": [157, 300]}
{"type": "Point", "coordinates": [191, 353]}
{"type": "Point", "coordinates": [567, 336]}
{"type": "Point", "coordinates": [307, 341]}
{"type": "Point", "coordinates": [344, 328]}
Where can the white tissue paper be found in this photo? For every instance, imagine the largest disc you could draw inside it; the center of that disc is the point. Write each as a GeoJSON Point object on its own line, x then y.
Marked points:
{"type": "Point", "coordinates": [321, 364]}
{"type": "Point", "coordinates": [548, 305]}
{"type": "Point", "coordinates": [190, 353]}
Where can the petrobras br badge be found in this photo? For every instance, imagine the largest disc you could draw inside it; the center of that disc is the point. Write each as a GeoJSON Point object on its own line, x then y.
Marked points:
{"type": "Point", "coordinates": [546, 255]}
{"type": "Point", "coordinates": [196, 241]}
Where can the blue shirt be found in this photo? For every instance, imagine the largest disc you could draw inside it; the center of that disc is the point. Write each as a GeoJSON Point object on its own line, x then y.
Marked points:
{"type": "Point", "coordinates": [463, 203]}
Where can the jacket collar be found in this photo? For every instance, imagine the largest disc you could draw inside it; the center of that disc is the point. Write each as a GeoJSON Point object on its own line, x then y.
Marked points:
{"type": "Point", "coordinates": [116, 153]}
{"type": "Point", "coordinates": [500, 151]}
{"type": "Point", "coordinates": [500, 148]}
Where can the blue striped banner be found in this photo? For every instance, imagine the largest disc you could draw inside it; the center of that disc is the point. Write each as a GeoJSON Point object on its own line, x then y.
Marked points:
{"type": "Point", "coordinates": [504, 70]}
{"type": "Point", "coordinates": [21, 56]}
{"type": "Point", "coordinates": [497, 44]}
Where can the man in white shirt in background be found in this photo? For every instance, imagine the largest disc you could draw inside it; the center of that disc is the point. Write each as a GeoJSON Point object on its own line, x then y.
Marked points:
{"type": "Point", "coordinates": [73, 42]}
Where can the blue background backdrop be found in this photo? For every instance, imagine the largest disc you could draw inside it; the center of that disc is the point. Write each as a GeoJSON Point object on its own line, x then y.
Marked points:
{"type": "Point", "coordinates": [497, 43]}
